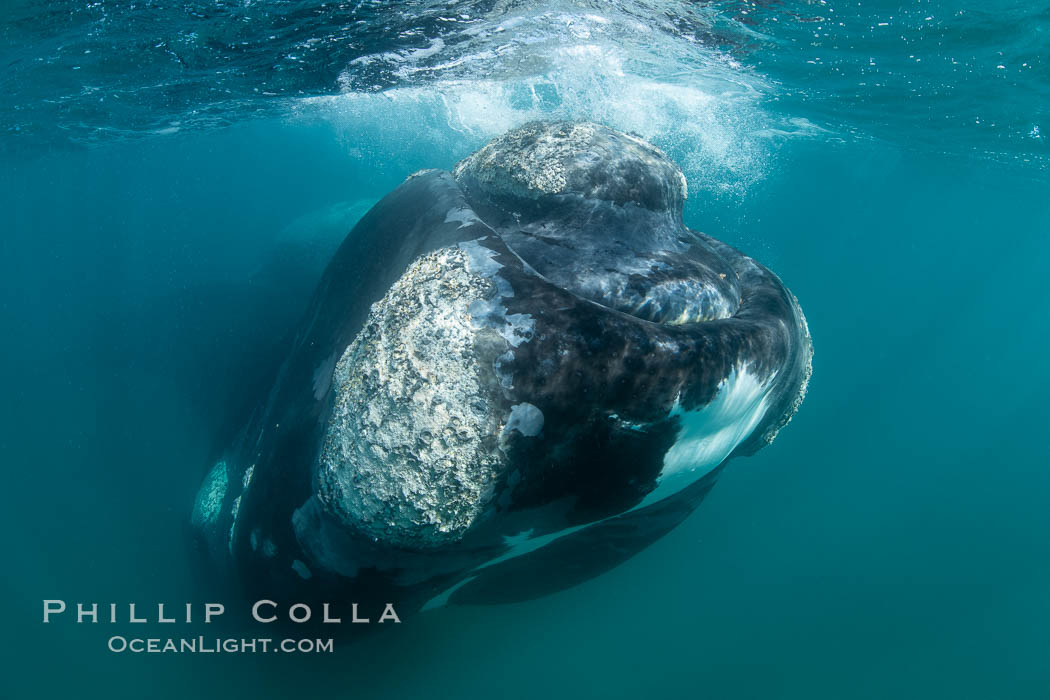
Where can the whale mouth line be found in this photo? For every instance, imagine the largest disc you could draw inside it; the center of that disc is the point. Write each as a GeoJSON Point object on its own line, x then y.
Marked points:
{"type": "Point", "coordinates": [679, 304]}
{"type": "Point", "coordinates": [598, 214]}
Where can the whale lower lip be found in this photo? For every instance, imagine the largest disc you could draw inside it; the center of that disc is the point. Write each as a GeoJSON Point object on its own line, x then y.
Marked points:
{"type": "Point", "coordinates": [499, 360]}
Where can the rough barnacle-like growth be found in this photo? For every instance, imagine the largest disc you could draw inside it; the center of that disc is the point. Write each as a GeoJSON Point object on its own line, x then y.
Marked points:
{"type": "Point", "coordinates": [410, 455]}
{"type": "Point", "coordinates": [578, 158]}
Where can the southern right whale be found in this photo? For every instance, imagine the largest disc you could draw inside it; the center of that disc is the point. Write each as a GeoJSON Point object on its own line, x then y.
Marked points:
{"type": "Point", "coordinates": [512, 377]}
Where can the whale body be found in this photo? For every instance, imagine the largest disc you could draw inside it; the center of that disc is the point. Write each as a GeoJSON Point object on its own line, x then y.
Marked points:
{"type": "Point", "coordinates": [512, 377]}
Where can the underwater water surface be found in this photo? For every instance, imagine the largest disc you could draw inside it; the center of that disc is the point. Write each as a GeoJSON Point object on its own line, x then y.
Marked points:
{"type": "Point", "coordinates": [176, 175]}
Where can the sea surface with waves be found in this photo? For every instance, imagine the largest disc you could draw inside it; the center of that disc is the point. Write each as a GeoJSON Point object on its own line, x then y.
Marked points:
{"type": "Point", "coordinates": [174, 176]}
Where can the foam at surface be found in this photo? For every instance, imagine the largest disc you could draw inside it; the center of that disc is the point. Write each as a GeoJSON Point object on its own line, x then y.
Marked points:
{"type": "Point", "coordinates": [691, 100]}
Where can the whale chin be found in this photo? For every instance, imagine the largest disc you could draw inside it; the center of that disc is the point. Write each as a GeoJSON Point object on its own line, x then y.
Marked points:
{"type": "Point", "coordinates": [503, 367]}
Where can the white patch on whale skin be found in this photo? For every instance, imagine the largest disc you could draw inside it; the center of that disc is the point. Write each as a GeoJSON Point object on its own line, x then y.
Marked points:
{"type": "Point", "coordinates": [711, 433]}
{"type": "Point", "coordinates": [464, 216]}
{"type": "Point", "coordinates": [322, 379]}
{"type": "Point", "coordinates": [481, 261]}
{"type": "Point", "coordinates": [514, 328]}
{"type": "Point", "coordinates": [262, 543]}
{"type": "Point", "coordinates": [441, 599]}
{"type": "Point", "coordinates": [234, 510]}
{"type": "Point", "coordinates": [526, 419]}
{"type": "Point", "coordinates": [517, 545]}
{"type": "Point", "coordinates": [302, 569]}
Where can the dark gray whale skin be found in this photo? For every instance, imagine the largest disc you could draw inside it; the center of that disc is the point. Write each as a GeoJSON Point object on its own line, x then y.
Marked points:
{"type": "Point", "coordinates": [606, 352]}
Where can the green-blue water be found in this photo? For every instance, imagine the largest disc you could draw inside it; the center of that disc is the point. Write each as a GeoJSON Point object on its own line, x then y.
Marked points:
{"type": "Point", "coordinates": [165, 219]}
